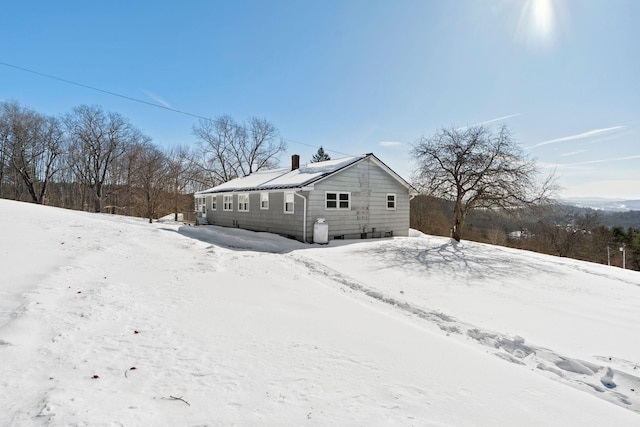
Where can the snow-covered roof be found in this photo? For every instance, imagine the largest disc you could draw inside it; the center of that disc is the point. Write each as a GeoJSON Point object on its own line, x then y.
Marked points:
{"type": "Point", "coordinates": [284, 177]}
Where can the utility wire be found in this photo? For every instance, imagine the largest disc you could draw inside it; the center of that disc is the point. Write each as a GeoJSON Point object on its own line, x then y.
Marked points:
{"type": "Point", "coordinates": [104, 91]}
{"type": "Point", "coordinates": [141, 101]}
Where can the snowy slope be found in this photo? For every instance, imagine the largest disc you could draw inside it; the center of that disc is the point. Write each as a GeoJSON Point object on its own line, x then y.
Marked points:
{"type": "Point", "coordinates": [253, 329]}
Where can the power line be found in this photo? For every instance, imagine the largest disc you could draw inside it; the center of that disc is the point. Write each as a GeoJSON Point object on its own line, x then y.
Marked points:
{"type": "Point", "coordinates": [141, 101]}
{"type": "Point", "coordinates": [130, 98]}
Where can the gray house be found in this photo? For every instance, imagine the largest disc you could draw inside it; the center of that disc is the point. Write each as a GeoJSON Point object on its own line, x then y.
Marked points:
{"type": "Point", "coordinates": [354, 197]}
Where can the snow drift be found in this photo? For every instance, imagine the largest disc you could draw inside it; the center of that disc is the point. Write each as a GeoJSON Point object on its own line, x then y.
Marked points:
{"type": "Point", "coordinates": [108, 320]}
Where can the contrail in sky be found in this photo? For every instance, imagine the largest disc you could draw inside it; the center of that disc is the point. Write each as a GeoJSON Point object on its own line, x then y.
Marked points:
{"type": "Point", "coordinates": [578, 136]}
{"type": "Point", "coordinates": [157, 98]}
{"type": "Point", "coordinates": [488, 121]}
{"type": "Point", "coordinates": [602, 161]}
{"type": "Point", "coordinates": [497, 119]}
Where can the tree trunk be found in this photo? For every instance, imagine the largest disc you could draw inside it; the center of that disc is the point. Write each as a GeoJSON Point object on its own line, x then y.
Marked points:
{"type": "Point", "coordinates": [175, 204]}
{"type": "Point", "coordinates": [458, 221]}
{"type": "Point", "coordinates": [97, 201]}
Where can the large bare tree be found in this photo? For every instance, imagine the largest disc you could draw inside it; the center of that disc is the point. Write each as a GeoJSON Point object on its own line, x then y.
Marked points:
{"type": "Point", "coordinates": [261, 147]}
{"type": "Point", "coordinates": [227, 150]}
{"type": "Point", "coordinates": [97, 140]}
{"type": "Point", "coordinates": [477, 168]}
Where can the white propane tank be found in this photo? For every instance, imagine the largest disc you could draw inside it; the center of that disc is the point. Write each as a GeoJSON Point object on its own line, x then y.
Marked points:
{"type": "Point", "coordinates": [320, 231]}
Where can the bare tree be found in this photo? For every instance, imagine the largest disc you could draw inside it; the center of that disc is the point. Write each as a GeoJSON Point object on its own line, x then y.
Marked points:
{"type": "Point", "coordinates": [181, 175]}
{"type": "Point", "coordinates": [227, 150]}
{"type": "Point", "coordinates": [5, 134]}
{"type": "Point", "coordinates": [566, 232]}
{"type": "Point", "coordinates": [97, 140]}
{"type": "Point", "coordinates": [476, 168]}
{"type": "Point", "coordinates": [216, 139]}
{"type": "Point", "coordinates": [151, 177]}
{"type": "Point", "coordinates": [31, 144]}
{"type": "Point", "coordinates": [261, 146]}
{"type": "Point", "coordinates": [123, 182]}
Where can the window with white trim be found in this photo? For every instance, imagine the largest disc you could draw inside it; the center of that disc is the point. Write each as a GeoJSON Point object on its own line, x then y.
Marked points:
{"type": "Point", "coordinates": [200, 205]}
{"type": "Point", "coordinates": [227, 202]}
{"type": "Point", "coordinates": [288, 202]}
{"type": "Point", "coordinates": [264, 200]}
{"type": "Point", "coordinates": [243, 203]}
{"type": "Point", "coordinates": [214, 202]}
{"type": "Point", "coordinates": [391, 201]}
{"type": "Point", "coordinates": [337, 200]}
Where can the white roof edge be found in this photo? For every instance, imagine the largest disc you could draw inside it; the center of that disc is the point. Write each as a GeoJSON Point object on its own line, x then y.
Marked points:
{"type": "Point", "coordinates": [391, 172]}
{"type": "Point", "coordinates": [386, 168]}
{"type": "Point", "coordinates": [360, 158]}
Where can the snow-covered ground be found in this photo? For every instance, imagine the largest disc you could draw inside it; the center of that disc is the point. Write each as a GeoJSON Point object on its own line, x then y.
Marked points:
{"type": "Point", "coordinates": [109, 320]}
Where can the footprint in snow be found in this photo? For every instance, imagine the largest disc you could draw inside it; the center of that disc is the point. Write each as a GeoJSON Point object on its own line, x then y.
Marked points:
{"type": "Point", "coordinates": [607, 379]}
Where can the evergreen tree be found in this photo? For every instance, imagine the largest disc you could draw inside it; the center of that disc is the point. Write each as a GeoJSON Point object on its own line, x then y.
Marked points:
{"type": "Point", "coordinates": [320, 156]}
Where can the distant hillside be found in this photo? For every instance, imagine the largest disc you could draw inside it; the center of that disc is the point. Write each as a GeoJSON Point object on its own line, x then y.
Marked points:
{"type": "Point", "coordinates": [615, 205]}
{"type": "Point", "coordinates": [611, 212]}
{"type": "Point", "coordinates": [437, 221]}
{"type": "Point", "coordinates": [561, 229]}
{"type": "Point", "coordinates": [621, 219]}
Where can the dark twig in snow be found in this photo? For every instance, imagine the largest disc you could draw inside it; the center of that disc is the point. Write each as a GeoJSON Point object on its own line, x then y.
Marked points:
{"type": "Point", "coordinates": [176, 398]}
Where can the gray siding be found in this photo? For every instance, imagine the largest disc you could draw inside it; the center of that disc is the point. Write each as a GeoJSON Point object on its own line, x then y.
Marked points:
{"type": "Point", "coordinates": [272, 220]}
{"type": "Point", "coordinates": [368, 215]}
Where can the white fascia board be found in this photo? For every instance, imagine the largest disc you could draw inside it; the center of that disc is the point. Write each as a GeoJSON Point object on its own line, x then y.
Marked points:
{"type": "Point", "coordinates": [378, 162]}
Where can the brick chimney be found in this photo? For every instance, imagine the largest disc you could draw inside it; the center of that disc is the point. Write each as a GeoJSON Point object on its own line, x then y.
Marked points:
{"type": "Point", "coordinates": [295, 162]}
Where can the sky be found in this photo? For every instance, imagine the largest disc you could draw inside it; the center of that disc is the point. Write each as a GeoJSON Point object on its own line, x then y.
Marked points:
{"type": "Point", "coordinates": [351, 76]}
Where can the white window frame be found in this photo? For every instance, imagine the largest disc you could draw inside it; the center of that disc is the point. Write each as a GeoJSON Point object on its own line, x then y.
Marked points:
{"type": "Point", "coordinates": [214, 202]}
{"type": "Point", "coordinates": [289, 200]}
{"type": "Point", "coordinates": [264, 201]}
{"type": "Point", "coordinates": [339, 201]}
{"type": "Point", "coordinates": [201, 204]}
{"type": "Point", "coordinates": [243, 203]}
{"type": "Point", "coordinates": [393, 201]}
{"type": "Point", "coordinates": [227, 202]}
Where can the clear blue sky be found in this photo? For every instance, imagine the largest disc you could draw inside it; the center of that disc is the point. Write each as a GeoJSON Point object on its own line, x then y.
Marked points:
{"type": "Point", "coordinates": [352, 76]}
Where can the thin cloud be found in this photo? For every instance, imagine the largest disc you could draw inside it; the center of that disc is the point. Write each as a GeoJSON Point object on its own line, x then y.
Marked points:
{"type": "Point", "coordinates": [497, 119]}
{"type": "Point", "coordinates": [583, 135]}
{"type": "Point", "coordinates": [573, 153]}
{"type": "Point", "coordinates": [157, 99]}
{"type": "Point", "coordinates": [616, 159]}
{"type": "Point", "coordinates": [389, 143]}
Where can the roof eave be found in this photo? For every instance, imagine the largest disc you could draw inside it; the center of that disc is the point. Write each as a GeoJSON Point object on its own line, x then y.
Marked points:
{"type": "Point", "coordinates": [412, 190]}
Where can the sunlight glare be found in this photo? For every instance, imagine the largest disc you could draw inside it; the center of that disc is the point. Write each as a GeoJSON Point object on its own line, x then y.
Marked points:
{"type": "Point", "coordinates": [542, 17]}
{"type": "Point", "coordinates": [537, 22]}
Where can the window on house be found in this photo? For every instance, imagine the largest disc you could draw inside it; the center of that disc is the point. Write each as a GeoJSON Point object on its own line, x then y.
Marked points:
{"type": "Point", "coordinates": [243, 202]}
{"type": "Point", "coordinates": [227, 202]}
{"type": "Point", "coordinates": [214, 203]}
{"type": "Point", "coordinates": [288, 202]}
{"type": "Point", "coordinates": [391, 201]}
{"type": "Point", "coordinates": [264, 200]}
{"type": "Point", "coordinates": [336, 200]}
